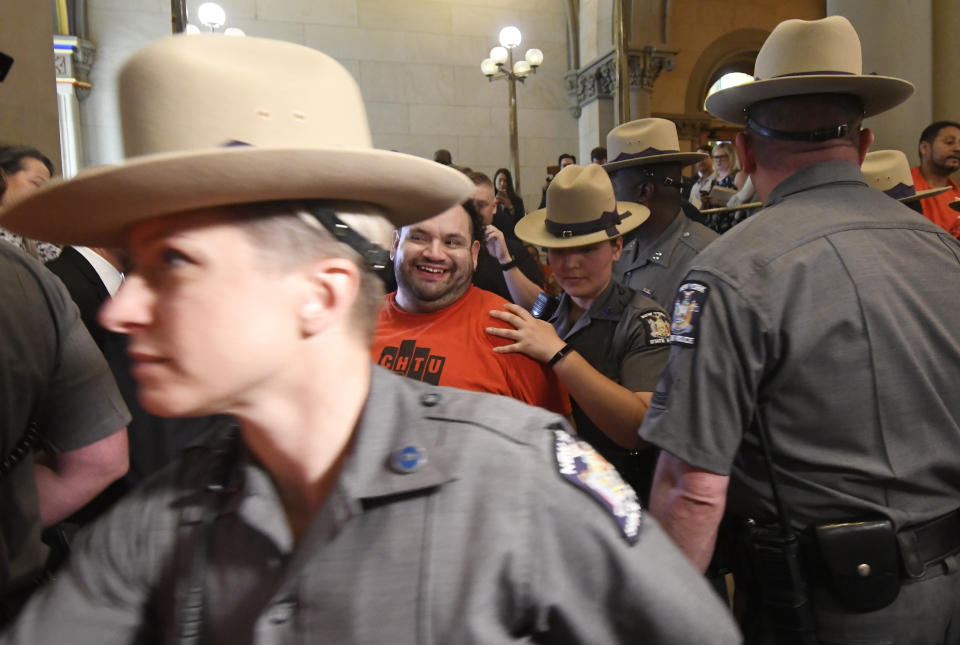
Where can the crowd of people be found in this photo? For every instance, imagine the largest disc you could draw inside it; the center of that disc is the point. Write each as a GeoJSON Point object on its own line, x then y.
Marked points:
{"type": "Point", "coordinates": [312, 391]}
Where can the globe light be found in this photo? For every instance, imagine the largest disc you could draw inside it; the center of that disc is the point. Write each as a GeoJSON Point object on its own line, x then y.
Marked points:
{"type": "Point", "coordinates": [234, 31]}
{"type": "Point", "coordinates": [534, 57]}
{"type": "Point", "coordinates": [499, 55]}
{"type": "Point", "coordinates": [211, 15]}
{"type": "Point", "coordinates": [488, 67]}
{"type": "Point", "coordinates": [510, 37]}
{"type": "Point", "coordinates": [521, 68]}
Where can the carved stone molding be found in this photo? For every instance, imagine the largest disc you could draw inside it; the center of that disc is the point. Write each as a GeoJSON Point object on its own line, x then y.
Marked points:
{"type": "Point", "coordinates": [598, 80]}
{"type": "Point", "coordinates": [646, 64]}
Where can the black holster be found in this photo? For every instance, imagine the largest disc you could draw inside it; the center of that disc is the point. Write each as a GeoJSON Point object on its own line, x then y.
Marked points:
{"type": "Point", "coordinates": [770, 569]}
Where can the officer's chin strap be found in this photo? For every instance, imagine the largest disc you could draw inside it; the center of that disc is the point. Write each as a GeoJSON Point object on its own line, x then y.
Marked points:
{"type": "Point", "coordinates": [375, 256]}
{"type": "Point", "coordinates": [224, 480]}
{"type": "Point", "coordinates": [813, 136]}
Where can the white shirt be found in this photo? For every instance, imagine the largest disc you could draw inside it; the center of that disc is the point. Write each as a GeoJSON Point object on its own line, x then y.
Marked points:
{"type": "Point", "coordinates": [111, 278]}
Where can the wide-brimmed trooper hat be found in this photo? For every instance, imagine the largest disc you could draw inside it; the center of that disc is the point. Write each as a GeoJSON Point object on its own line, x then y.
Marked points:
{"type": "Point", "coordinates": [889, 171]}
{"type": "Point", "coordinates": [810, 57]}
{"type": "Point", "coordinates": [646, 141]}
{"type": "Point", "coordinates": [210, 120]}
{"type": "Point", "coordinates": [581, 210]}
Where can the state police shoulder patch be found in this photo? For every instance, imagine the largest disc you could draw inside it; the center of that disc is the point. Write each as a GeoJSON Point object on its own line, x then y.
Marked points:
{"type": "Point", "coordinates": [580, 464]}
{"type": "Point", "coordinates": [687, 308]}
{"type": "Point", "coordinates": [658, 327]}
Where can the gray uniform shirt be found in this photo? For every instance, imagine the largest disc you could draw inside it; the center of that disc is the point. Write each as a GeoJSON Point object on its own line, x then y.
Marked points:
{"type": "Point", "coordinates": [833, 314]}
{"type": "Point", "coordinates": [656, 270]}
{"type": "Point", "coordinates": [624, 336]}
{"type": "Point", "coordinates": [51, 373]}
{"type": "Point", "coordinates": [451, 522]}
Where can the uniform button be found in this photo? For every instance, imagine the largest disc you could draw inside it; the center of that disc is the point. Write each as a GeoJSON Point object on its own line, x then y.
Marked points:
{"type": "Point", "coordinates": [686, 234]}
{"type": "Point", "coordinates": [281, 612]}
{"type": "Point", "coordinates": [429, 400]}
{"type": "Point", "coordinates": [408, 459]}
{"type": "Point", "coordinates": [628, 274]}
{"type": "Point", "coordinates": [863, 570]}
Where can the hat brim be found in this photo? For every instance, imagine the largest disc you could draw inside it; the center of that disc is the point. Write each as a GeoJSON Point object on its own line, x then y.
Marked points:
{"type": "Point", "coordinates": [878, 93]}
{"type": "Point", "coordinates": [683, 158]}
{"type": "Point", "coordinates": [532, 228]}
{"type": "Point", "coordinates": [922, 194]}
{"type": "Point", "coordinates": [726, 209]}
{"type": "Point", "coordinates": [99, 205]}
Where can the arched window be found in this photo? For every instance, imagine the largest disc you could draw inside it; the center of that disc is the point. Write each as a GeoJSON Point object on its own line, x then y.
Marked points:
{"type": "Point", "coordinates": [730, 79]}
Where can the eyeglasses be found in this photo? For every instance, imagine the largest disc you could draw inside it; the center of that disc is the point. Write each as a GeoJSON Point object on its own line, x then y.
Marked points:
{"type": "Point", "coordinates": [721, 156]}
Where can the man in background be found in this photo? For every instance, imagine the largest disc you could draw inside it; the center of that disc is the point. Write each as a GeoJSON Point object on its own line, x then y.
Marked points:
{"type": "Point", "coordinates": [939, 150]}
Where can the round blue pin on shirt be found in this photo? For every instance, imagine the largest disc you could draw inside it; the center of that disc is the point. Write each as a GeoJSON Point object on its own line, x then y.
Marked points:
{"type": "Point", "coordinates": [407, 460]}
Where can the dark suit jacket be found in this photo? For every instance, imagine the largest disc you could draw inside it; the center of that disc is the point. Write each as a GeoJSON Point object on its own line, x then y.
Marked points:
{"type": "Point", "coordinates": [154, 441]}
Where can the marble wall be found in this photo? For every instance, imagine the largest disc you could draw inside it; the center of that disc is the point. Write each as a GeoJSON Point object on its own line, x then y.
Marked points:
{"type": "Point", "coordinates": [417, 63]}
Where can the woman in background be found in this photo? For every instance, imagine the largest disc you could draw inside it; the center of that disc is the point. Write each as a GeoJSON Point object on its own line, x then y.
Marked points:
{"type": "Point", "coordinates": [509, 204]}
{"type": "Point", "coordinates": [23, 170]}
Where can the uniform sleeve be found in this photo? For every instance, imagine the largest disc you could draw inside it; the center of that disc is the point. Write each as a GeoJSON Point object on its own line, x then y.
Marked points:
{"type": "Point", "coordinates": [706, 397]}
{"type": "Point", "coordinates": [591, 584]}
{"type": "Point", "coordinates": [82, 403]}
{"type": "Point", "coordinates": [104, 592]}
{"type": "Point", "coordinates": [644, 348]}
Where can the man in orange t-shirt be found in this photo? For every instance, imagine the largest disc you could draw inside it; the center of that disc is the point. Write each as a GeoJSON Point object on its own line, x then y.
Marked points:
{"type": "Point", "coordinates": [433, 327]}
{"type": "Point", "coordinates": [939, 158]}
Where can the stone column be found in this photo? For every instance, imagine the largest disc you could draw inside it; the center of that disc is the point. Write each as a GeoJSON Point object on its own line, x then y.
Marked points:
{"type": "Point", "coordinates": [946, 73]}
{"type": "Point", "coordinates": [72, 60]}
{"type": "Point", "coordinates": [896, 38]}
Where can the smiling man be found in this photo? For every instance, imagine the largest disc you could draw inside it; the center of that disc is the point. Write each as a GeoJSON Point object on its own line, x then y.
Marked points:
{"type": "Point", "coordinates": [940, 158]}
{"type": "Point", "coordinates": [432, 328]}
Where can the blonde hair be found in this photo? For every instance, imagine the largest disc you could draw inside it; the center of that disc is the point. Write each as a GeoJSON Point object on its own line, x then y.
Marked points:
{"type": "Point", "coordinates": [287, 234]}
{"type": "Point", "coordinates": [731, 151]}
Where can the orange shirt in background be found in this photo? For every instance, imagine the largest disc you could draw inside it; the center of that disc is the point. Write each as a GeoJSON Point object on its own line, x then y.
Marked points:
{"type": "Point", "coordinates": [450, 347]}
{"type": "Point", "coordinates": [937, 209]}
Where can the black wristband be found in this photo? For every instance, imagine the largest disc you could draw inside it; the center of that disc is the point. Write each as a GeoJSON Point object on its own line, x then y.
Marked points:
{"type": "Point", "coordinates": [506, 266]}
{"type": "Point", "coordinates": [566, 349]}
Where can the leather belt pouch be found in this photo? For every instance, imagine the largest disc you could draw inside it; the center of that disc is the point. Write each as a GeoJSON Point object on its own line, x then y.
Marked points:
{"type": "Point", "coordinates": [862, 563]}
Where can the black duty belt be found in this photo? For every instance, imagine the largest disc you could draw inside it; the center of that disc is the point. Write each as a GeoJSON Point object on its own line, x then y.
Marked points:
{"type": "Point", "coordinates": [929, 543]}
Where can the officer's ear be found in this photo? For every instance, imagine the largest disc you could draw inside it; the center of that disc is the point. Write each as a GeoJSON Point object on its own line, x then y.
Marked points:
{"type": "Point", "coordinates": [396, 243]}
{"type": "Point", "coordinates": [645, 191]}
{"type": "Point", "coordinates": [745, 150]}
{"type": "Point", "coordinates": [330, 287]}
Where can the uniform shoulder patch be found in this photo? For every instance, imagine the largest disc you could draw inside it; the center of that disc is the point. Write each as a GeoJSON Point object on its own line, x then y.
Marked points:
{"type": "Point", "coordinates": [691, 298]}
{"type": "Point", "coordinates": [580, 464]}
{"type": "Point", "coordinates": [658, 327]}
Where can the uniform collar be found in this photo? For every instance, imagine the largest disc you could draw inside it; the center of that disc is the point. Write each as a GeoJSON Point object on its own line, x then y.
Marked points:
{"type": "Point", "coordinates": [393, 420]}
{"type": "Point", "coordinates": [660, 251]}
{"type": "Point", "coordinates": [816, 176]}
{"type": "Point", "coordinates": [608, 306]}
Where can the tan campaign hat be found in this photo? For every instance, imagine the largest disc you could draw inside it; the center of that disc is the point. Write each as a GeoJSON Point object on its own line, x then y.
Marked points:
{"type": "Point", "coordinates": [646, 141]}
{"type": "Point", "coordinates": [581, 210]}
{"type": "Point", "coordinates": [889, 171]}
{"type": "Point", "coordinates": [210, 120]}
{"type": "Point", "coordinates": [810, 57]}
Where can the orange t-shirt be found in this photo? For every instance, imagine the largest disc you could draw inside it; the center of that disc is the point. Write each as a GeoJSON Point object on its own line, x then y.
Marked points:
{"type": "Point", "coordinates": [937, 208]}
{"type": "Point", "coordinates": [450, 347]}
